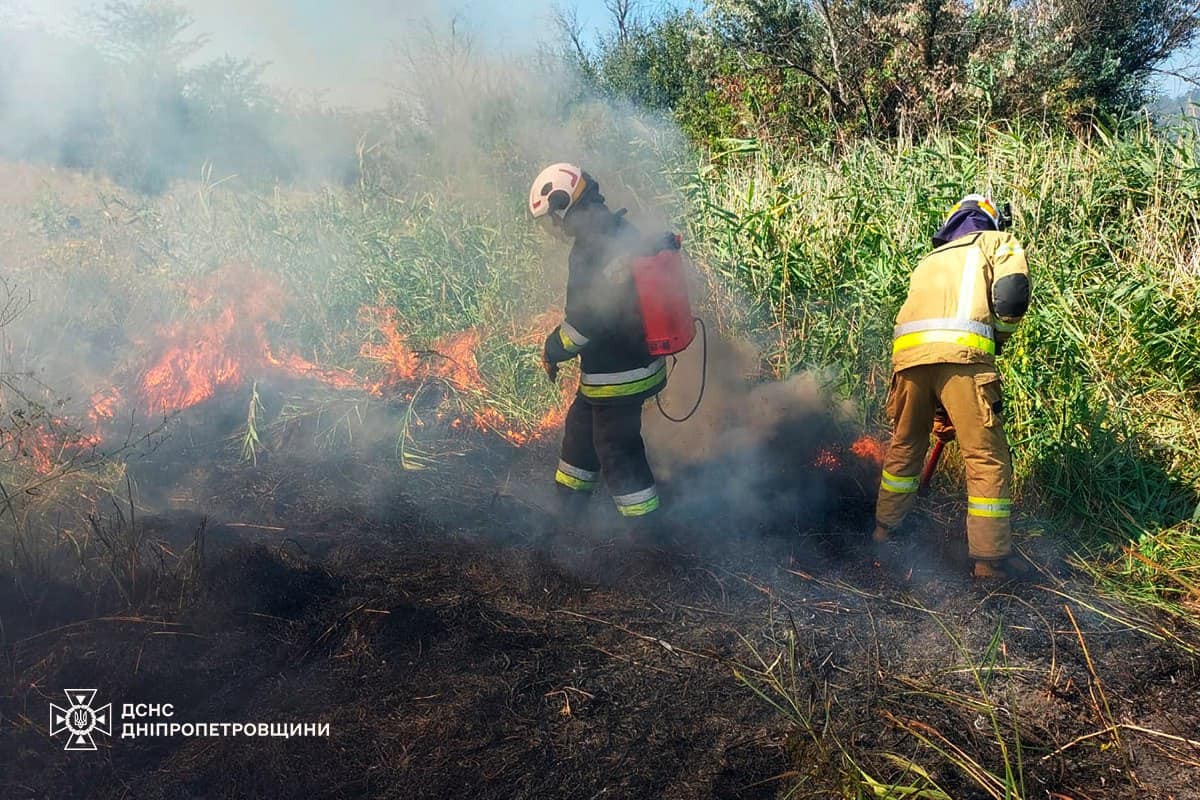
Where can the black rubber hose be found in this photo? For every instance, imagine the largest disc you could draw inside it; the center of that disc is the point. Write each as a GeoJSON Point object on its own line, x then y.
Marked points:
{"type": "Point", "coordinates": [703, 376]}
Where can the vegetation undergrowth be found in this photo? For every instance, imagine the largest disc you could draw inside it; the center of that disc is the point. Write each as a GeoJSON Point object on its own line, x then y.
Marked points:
{"type": "Point", "coordinates": [1102, 383]}
{"type": "Point", "coordinates": [808, 192]}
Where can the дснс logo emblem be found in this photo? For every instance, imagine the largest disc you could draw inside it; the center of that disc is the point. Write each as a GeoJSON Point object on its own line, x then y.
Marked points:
{"type": "Point", "coordinates": [79, 719]}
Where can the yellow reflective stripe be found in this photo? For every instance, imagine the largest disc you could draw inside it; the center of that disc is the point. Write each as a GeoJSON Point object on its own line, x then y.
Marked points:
{"type": "Point", "coordinates": [571, 339]}
{"type": "Point", "coordinates": [624, 389]}
{"type": "Point", "coordinates": [960, 338]}
{"type": "Point", "coordinates": [636, 504]}
{"type": "Point", "coordinates": [639, 509]}
{"type": "Point", "coordinates": [571, 482]}
{"type": "Point", "coordinates": [993, 507]}
{"type": "Point", "coordinates": [898, 484]}
{"type": "Point", "coordinates": [1000, 501]}
{"type": "Point", "coordinates": [1009, 249]}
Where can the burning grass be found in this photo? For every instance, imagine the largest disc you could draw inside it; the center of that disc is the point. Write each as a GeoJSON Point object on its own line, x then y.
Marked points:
{"type": "Point", "coordinates": [308, 313]}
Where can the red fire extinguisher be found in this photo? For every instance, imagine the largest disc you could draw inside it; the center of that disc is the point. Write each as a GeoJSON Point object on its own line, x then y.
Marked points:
{"type": "Point", "coordinates": [663, 295]}
{"type": "Point", "coordinates": [666, 311]}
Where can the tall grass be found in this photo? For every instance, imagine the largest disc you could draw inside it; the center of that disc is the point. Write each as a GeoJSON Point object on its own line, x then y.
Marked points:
{"type": "Point", "coordinates": [1103, 380]}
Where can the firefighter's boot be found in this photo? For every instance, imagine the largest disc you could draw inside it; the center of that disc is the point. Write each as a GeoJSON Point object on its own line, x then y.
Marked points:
{"type": "Point", "coordinates": [570, 505]}
{"type": "Point", "coordinates": [653, 531]}
{"type": "Point", "coordinates": [1011, 567]}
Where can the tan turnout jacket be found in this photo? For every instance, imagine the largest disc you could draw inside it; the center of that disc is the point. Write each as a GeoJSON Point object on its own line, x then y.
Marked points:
{"type": "Point", "coordinates": [943, 355]}
{"type": "Point", "coordinates": [948, 317]}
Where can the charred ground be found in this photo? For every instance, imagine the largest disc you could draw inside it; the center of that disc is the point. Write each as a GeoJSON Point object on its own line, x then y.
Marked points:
{"type": "Point", "coordinates": [460, 645]}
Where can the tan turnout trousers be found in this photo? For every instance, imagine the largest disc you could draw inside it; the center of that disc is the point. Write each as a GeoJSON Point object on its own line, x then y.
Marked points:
{"type": "Point", "coordinates": [970, 393]}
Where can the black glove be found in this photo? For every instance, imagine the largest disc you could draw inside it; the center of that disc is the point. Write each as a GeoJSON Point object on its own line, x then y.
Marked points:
{"type": "Point", "coordinates": [653, 245]}
{"type": "Point", "coordinates": [552, 353]}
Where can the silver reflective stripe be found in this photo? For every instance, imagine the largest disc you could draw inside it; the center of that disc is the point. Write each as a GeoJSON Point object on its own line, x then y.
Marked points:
{"type": "Point", "coordinates": [998, 508]}
{"type": "Point", "coordinates": [574, 335]}
{"type": "Point", "coordinates": [966, 290]}
{"type": "Point", "coordinates": [633, 498]}
{"type": "Point", "coordinates": [967, 325]}
{"type": "Point", "coordinates": [577, 472]}
{"type": "Point", "coordinates": [629, 376]}
{"type": "Point", "coordinates": [899, 484]}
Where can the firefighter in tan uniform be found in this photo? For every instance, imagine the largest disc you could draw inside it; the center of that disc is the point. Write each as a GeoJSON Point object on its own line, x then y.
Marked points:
{"type": "Point", "coordinates": [965, 300]}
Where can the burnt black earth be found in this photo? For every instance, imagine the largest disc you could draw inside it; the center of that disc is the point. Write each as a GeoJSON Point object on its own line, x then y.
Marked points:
{"type": "Point", "coordinates": [457, 641]}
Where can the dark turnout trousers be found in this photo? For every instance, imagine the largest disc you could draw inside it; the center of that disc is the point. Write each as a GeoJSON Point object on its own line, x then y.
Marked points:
{"type": "Point", "coordinates": [608, 439]}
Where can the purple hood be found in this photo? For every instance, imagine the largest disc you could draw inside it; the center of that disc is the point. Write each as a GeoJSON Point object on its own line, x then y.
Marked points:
{"type": "Point", "coordinates": [962, 223]}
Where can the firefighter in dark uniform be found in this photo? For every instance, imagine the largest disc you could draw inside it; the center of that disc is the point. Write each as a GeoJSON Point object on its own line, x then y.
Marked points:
{"type": "Point", "coordinates": [603, 327]}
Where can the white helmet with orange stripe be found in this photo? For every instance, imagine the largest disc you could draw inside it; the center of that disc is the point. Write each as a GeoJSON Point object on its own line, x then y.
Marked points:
{"type": "Point", "coordinates": [983, 203]}
{"type": "Point", "coordinates": [556, 190]}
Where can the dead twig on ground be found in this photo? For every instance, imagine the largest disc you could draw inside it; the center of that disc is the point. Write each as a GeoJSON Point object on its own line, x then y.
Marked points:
{"type": "Point", "coordinates": [85, 622]}
{"type": "Point", "coordinates": [663, 643]}
{"type": "Point", "coordinates": [328, 631]}
{"type": "Point", "coordinates": [1107, 714]}
{"type": "Point", "coordinates": [1111, 731]}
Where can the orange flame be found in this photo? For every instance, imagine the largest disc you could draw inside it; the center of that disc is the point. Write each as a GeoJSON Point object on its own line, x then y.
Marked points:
{"type": "Point", "coordinates": [103, 406]}
{"type": "Point", "coordinates": [193, 367]}
{"type": "Point", "coordinates": [451, 358]}
{"type": "Point", "coordinates": [492, 420]}
{"type": "Point", "coordinates": [293, 364]}
{"type": "Point", "coordinates": [454, 360]}
{"type": "Point", "coordinates": [868, 448]}
{"type": "Point", "coordinates": [207, 352]}
{"type": "Point", "coordinates": [400, 361]}
{"type": "Point", "coordinates": [223, 340]}
{"type": "Point", "coordinates": [556, 417]}
{"type": "Point", "coordinates": [49, 445]}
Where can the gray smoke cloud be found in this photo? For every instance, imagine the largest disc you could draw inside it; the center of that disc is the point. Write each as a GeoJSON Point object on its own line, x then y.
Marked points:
{"type": "Point", "coordinates": [757, 454]}
{"type": "Point", "coordinates": [188, 182]}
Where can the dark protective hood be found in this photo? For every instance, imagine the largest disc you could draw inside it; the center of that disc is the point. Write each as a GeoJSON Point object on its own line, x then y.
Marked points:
{"type": "Point", "coordinates": [967, 220]}
{"type": "Point", "coordinates": [590, 218]}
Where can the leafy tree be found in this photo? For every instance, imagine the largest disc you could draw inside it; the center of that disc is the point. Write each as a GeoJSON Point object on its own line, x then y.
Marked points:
{"type": "Point", "coordinates": [836, 69]}
{"type": "Point", "coordinates": [151, 34]}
